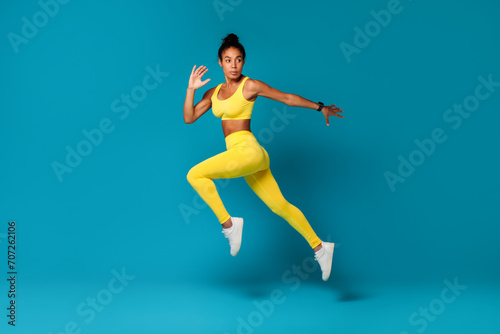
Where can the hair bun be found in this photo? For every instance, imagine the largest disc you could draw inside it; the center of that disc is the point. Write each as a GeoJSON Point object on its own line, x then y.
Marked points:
{"type": "Point", "coordinates": [231, 38]}
{"type": "Point", "coordinates": [231, 41]}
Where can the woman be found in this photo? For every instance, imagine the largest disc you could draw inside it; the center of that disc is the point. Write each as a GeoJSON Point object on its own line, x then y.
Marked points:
{"type": "Point", "coordinates": [233, 102]}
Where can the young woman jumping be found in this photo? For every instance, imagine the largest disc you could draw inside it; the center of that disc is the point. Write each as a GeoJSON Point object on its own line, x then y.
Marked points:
{"type": "Point", "coordinates": [233, 101]}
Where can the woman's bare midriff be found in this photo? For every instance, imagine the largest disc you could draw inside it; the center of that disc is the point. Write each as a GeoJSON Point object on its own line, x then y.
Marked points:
{"type": "Point", "coordinates": [232, 125]}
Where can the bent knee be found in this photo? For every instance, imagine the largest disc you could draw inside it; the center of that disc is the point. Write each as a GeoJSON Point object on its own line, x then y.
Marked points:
{"type": "Point", "coordinates": [192, 175]}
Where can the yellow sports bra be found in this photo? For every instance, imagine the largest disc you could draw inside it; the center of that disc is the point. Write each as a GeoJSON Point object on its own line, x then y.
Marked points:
{"type": "Point", "coordinates": [234, 107]}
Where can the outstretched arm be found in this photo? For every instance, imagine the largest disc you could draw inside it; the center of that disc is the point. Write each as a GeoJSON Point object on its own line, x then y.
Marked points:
{"type": "Point", "coordinates": [260, 88]}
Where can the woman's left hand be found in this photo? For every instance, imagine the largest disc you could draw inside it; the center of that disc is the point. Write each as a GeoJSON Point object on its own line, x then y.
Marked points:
{"type": "Point", "coordinates": [331, 110]}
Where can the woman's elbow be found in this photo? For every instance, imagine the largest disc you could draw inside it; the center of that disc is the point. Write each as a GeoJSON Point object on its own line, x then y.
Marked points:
{"type": "Point", "coordinates": [289, 100]}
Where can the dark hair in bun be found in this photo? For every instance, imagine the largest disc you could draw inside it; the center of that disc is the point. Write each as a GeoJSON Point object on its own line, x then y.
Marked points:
{"type": "Point", "coordinates": [231, 40]}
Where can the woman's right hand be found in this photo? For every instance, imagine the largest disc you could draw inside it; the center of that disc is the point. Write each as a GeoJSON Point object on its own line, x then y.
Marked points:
{"type": "Point", "coordinates": [195, 78]}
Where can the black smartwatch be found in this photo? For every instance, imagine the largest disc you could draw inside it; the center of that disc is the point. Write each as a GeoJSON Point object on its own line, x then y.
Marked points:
{"type": "Point", "coordinates": [320, 106]}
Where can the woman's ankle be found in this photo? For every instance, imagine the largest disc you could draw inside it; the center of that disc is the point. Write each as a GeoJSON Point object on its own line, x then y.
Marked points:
{"type": "Point", "coordinates": [317, 248]}
{"type": "Point", "coordinates": [228, 223]}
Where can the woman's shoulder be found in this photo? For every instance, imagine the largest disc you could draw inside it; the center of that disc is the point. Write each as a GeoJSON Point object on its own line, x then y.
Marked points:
{"type": "Point", "coordinates": [252, 81]}
{"type": "Point", "coordinates": [252, 84]}
{"type": "Point", "coordinates": [248, 81]}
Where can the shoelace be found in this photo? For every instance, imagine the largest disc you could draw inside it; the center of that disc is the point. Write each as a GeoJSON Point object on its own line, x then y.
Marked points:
{"type": "Point", "coordinates": [317, 256]}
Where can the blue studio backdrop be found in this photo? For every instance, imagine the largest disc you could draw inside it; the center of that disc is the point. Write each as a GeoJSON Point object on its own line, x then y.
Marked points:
{"type": "Point", "coordinates": [100, 231]}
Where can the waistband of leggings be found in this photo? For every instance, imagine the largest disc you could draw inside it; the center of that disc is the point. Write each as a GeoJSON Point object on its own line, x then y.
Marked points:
{"type": "Point", "coordinates": [237, 137]}
{"type": "Point", "coordinates": [238, 134]}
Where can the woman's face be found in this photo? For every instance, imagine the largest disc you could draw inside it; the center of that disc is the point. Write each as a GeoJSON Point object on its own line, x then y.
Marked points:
{"type": "Point", "coordinates": [232, 63]}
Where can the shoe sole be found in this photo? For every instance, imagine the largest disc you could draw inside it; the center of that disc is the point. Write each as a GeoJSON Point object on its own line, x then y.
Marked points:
{"type": "Point", "coordinates": [329, 246]}
{"type": "Point", "coordinates": [239, 231]}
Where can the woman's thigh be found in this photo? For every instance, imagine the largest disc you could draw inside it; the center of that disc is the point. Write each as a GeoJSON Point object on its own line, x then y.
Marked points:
{"type": "Point", "coordinates": [266, 188]}
{"type": "Point", "coordinates": [238, 161]}
{"type": "Point", "coordinates": [262, 182]}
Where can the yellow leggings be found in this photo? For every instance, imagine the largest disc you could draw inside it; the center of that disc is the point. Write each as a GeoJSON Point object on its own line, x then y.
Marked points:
{"type": "Point", "coordinates": [245, 157]}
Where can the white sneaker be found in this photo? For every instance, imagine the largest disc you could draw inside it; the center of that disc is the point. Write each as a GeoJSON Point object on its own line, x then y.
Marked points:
{"type": "Point", "coordinates": [234, 235]}
{"type": "Point", "coordinates": [325, 259]}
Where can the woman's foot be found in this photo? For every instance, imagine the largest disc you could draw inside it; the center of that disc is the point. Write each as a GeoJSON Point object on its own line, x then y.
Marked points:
{"type": "Point", "coordinates": [233, 234]}
{"type": "Point", "coordinates": [324, 257]}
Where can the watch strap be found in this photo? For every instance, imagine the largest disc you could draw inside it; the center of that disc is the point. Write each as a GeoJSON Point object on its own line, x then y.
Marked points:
{"type": "Point", "coordinates": [320, 106]}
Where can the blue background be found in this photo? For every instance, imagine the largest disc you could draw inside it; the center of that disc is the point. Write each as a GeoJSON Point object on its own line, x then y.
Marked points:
{"type": "Point", "coordinates": [127, 205]}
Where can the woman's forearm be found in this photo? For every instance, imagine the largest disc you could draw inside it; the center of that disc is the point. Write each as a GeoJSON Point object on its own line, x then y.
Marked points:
{"type": "Point", "coordinates": [295, 100]}
{"type": "Point", "coordinates": [188, 106]}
